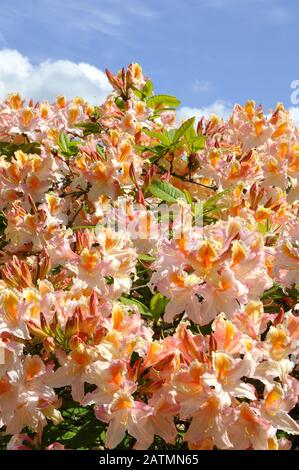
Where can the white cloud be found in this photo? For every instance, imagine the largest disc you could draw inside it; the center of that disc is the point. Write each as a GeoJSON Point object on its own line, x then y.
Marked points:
{"type": "Point", "coordinates": [232, 3]}
{"type": "Point", "coordinates": [110, 18]}
{"type": "Point", "coordinates": [138, 8]}
{"type": "Point", "coordinates": [219, 107]}
{"type": "Point", "coordinates": [222, 109]}
{"type": "Point", "coordinates": [202, 86]}
{"type": "Point", "coordinates": [279, 15]}
{"type": "Point", "coordinates": [273, 11]}
{"type": "Point", "coordinates": [50, 78]}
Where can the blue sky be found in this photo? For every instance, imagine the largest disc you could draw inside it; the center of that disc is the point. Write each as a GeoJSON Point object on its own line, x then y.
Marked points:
{"type": "Point", "coordinates": [200, 50]}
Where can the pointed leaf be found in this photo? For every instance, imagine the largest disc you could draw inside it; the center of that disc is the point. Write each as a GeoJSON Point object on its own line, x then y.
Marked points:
{"type": "Point", "coordinates": [157, 305]}
{"type": "Point", "coordinates": [166, 192]}
{"type": "Point", "coordinates": [158, 135]}
{"type": "Point", "coordinates": [141, 307]}
{"type": "Point", "coordinates": [198, 143]}
{"type": "Point", "coordinates": [183, 129]}
{"type": "Point", "coordinates": [148, 88]}
{"type": "Point", "coordinates": [165, 100]}
{"type": "Point", "coordinates": [64, 142]}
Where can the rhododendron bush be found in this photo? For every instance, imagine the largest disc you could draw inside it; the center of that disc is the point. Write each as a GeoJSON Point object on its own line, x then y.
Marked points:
{"type": "Point", "coordinates": [125, 324]}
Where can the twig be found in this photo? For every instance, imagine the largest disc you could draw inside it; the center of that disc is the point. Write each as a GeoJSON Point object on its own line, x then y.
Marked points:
{"type": "Point", "coordinates": [75, 215]}
{"type": "Point", "coordinates": [213, 188]}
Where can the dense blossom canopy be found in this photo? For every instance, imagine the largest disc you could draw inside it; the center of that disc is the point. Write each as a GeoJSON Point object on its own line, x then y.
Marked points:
{"type": "Point", "coordinates": [188, 339]}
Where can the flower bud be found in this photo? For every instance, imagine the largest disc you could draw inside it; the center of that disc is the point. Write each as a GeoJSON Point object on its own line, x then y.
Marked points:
{"type": "Point", "coordinates": [49, 344]}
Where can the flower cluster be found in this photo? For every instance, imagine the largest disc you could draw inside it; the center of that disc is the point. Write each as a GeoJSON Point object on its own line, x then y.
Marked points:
{"type": "Point", "coordinates": [174, 339]}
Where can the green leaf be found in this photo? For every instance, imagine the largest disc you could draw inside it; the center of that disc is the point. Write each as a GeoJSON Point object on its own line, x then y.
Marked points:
{"type": "Point", "coordinates": [159, 149]}
{"type": "Point", "coordinates": [166, 192]}
{"type": "Point", "coordinates": [89, 127]}
{"type": "Point", "coordinates": [8, 149]}
{"type": "Point", "coordinates": [200, 210]}
{"type": "Point", "coordinates": [162, 137]}
{"type": "Point", "coordinates": [146, 258]}
{"type": "Point", "coordinates": [155, 158]}
{"type": "Point", "coordinates": [64, 142]}
{"type": "Point", "coordinates": [101, 151]}
{"type": "Point", "coordinates": [198, 143]}
{"type": "Point", "coordinates": [97, 113]}
{"type": "Point", "coordinates": [206, 329]}
{"type": "Point", "coordinates": [262, 228]}
{"type": "Point", "coordinates": [163, 100]}
{"type": "Point", "coordinates": [170, 134]}
{"type": "Point", "coordinates": [277, 293]}
{"type": "Point", "coordinates": [148, 88]}
{"type": "Point", "coordinates": [73, 147]}
{"type": "Point", "coordinates": [157, 305]}
{"type": "Point", "coordinates": [69, 147]}
{"type": "Point", "coordinates": [188, 196]}
{"type": "Point", "coordinates": [3, 223]}
{"type": "Point", "coordinates": [120, 103]}
{"type": "Point", "coordinates": [126, 444]}
{"type": "Point", "coordinates": [80, 429]}
{"type": "Point", "coordinates": [138, 93]}
{"type": "Point", "coordinates": [141, 307]}
{"type": "Point", "coordinates": [190, 134]}
{"type": "Point", "coordinates": [88, 433]}
{"type": "Point", "coordinates": [210, 203]}
{"type": "Point", "coordinates": [181, 131]}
